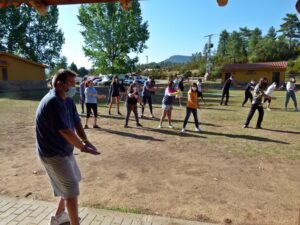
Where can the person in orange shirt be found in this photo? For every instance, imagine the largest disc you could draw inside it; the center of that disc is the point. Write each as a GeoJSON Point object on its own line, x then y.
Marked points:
{"type": "Point", "coordinates": [191, 107]}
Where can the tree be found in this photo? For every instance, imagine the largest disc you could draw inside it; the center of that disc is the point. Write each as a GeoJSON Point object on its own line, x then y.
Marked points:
{"type": "Point", "coordinates": [291, 28]}
{"type": "Point", "coordinates": [82, 71]}
{"type": "Point", "coordinates": [223, 42]}
{"type": "Point", "coordinates": [256, 36]}
{"type": "Point", "coordinates": [73, 67]}
{"type": "Point", "coordinates": [60, 64]}
{"type": "Point", "coordinates": [235, 48]}
{"type": "Point", "coordinates": [272, 33]}
{"type": "Point", "coordinates": [30, 35]}
{"type": "Point", "coordinates": [111, 33]}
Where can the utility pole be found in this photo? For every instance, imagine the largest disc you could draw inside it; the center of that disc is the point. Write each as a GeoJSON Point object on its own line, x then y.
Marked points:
{"type": "Point", "coordinates": [208, 57]}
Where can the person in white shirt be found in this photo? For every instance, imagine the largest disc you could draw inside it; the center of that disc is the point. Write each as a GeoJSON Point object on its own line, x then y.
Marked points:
{"type": "Point", "coordinates": [199, 89]}
{"type": "Point", "coordinates": [269, 92]}
{"type": "Point", "coordinates": [290, 93]}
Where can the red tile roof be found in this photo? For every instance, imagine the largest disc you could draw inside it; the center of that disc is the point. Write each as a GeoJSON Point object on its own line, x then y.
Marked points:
{"type": "Point", "coordinates": [256, 66]}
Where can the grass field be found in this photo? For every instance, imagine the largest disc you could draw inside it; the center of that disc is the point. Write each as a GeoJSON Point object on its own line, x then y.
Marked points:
{"type": "Point", "coordinates": [248, 176]}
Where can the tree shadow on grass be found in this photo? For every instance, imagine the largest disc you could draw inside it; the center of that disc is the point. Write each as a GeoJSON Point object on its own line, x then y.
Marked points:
{"type": "Point", "coordinates": [282, 131]}
{"type": "Point", "coordinates": [173, 132]}
{"type": "Point", "coordinates": [131, 135]}
{"type": "Point", "coordinates": [247, 137]}
{"type": "Point", "coordinates": [219, 109]}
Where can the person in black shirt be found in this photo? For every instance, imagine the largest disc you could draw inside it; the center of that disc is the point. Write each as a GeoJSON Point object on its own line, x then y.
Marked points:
{"type": "Point", "coordinates": [248, 93]}
{"type": "Point", "coordinates": [131, 104]}
{"type": "Point", "coordinates": [259, 93]}
{"type": "Point", "coordinates": [225, 90]}
{"type": "Point", "coordinates": [114, 94]}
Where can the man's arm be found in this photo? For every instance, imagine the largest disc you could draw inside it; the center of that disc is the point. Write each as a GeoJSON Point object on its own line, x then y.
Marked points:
{"type": "Point", "coordinates": [72, 138]}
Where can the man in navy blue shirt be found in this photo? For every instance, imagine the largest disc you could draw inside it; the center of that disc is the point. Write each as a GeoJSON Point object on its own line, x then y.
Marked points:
{"type": "Point", "coordinates": [225, 90]}
{"type": "Point", "coordinates": [58, 130]}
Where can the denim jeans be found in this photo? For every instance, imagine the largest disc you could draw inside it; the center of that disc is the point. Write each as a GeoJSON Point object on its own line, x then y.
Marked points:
{"type": "Point", "coordinates": [290, 94]}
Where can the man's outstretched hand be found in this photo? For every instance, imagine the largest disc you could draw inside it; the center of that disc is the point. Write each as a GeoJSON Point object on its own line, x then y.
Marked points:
{"type": "Point", "coordinates": [89, 148]}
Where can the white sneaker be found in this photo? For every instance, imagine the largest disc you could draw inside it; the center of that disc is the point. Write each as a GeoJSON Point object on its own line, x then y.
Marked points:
{"type": "Point", "coordinates": [198, 129]}
{"type": "Point", "coordinates": [159, 126]}
{"type": "Point", "coordinates": [183, 130]}
{"type": "Point", "coordinates": [268, 109]}
{"type": "Point", "coordinates": [57, 220]}
{"type": "Point", "coordinates": [171, 126]}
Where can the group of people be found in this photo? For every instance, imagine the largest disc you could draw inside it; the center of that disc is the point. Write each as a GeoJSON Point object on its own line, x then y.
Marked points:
{"type": "Point", "coordinates": [143, 96]}
{"type": "Point", "coordinates": [262, 94]}
{"type": "Point", "coordinates": [59, 128]}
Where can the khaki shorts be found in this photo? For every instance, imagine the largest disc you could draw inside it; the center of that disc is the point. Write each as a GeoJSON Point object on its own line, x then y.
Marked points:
{"type": "Point", "coordinates": [64, 175]}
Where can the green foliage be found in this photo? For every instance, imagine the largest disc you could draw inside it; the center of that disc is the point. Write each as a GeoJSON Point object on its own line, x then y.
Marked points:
{"type": "Point", "coordinates": [82, 71]}
{"type": "Point", "coordinates": [294, 66]}
{"type": "Point", "coordinates": [111, 33]}
{"type": "Point", "coordinates": [291, 29]}
{"type": "Point", "coordinates": [25, 33]}
{"type": "Point", "coordinates": [73, 67]}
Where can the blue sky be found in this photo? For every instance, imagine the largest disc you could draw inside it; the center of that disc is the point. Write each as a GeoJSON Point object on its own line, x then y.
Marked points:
{"type": "Point", "coordinates": [178, 27]}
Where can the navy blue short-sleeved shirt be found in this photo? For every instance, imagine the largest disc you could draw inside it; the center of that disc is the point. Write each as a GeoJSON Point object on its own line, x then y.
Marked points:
{"type": "Point", "coordinates": [54, 114]}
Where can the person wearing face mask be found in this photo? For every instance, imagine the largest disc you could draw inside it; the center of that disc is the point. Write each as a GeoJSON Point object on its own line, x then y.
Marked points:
{"type": "Point", "coordinates": [291, 93]}
{"type": "Point", "coordinates": [131, 104]}
{"type": "Point", "coordinates": [191, 107]}
{"type": "Point", "coordinates": [148, 88]}
{"type": "Point", "coordinates": [248, 94]}
{"type": "Point", "coordinates": [91, 97]}
{"type": "Point", "coordinates": [259, 93]}
{"type": "Point", "coordinates": [225, 90]}
{"type": "Point", "coordinates": [58, 131]}
{"type": "Point", "coordinates": [167, 104]}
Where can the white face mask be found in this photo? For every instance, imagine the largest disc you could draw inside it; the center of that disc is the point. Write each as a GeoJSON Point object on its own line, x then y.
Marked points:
{"type": "Point", "coordinates": [194, 88]}
{"type": "Point", "coordinates": [71, 92]}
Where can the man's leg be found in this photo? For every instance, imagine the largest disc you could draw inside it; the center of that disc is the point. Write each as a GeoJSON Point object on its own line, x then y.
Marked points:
{"type": "Point", "coordinates": [61, 207]}
{"type": "Point", "coordinates": [251, 113]}
{"type": "Point", "coordinates": [260, 116]}
{"type": "Point", "coordinates": [72, 206]}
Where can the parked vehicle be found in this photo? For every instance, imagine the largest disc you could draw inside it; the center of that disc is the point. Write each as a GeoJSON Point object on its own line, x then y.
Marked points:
{"type": "Point", "coordinates": [97, 81]}
{"type": "Point", "coordinates": [106, 80]}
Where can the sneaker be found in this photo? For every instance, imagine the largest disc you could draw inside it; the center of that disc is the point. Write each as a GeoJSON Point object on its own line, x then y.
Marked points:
{"type": "Point", "coordinates": [109, 113]}
{"type": "Point", "coordinates": [245, 126]}
{"type": "Point", "coordinates": [152, 116]}
{"type": "Point", "coordinates": [183, 130]}
{"type": "Point", "coordinates": [258, 127]}
{"type": "Point", "coordinates": [296, 110]}
{"type": "Point", "coordinates": [126, 126]}
{"type": "Point", "coordinates": [198, 129]}
{"type": "Point", "coordinates": [57, 220]}
{"type": "Point", "coordinates": [86, 127]}
{"type": "Point", "coordinates": [119, 113]}
{"type": "Point", "coordinates": [286, 109]}
{"type": "Point", "coordinates": [268, 109]}
{"type": "Point", "coordinates": [96, 126]}
{"type": "Point", "coordinates": [159, 126]}
{"type": "Point", "coordinates": [142, 116]}
{"type": "Point", "coordinates": [139, 125]}
{"type": "Point", "coordinates": [171, 126]}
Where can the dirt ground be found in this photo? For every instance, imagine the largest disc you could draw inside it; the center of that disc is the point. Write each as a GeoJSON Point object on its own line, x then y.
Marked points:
{"type": "Point", "coordinates": [226, 173]}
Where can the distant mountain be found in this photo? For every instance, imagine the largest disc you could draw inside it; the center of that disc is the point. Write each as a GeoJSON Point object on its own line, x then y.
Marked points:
{"type": "Point", "coordinates": [178, 59]}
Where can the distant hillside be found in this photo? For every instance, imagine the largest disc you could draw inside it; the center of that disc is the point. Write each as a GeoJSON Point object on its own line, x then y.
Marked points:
{"type": "Point", "coordinates": [178, 59]}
